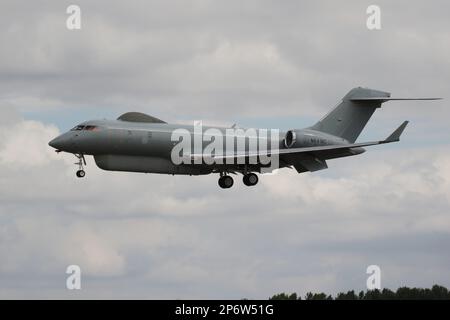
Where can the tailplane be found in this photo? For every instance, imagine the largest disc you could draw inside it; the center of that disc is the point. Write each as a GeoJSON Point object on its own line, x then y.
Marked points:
{"type": "Point", "coordinates": [351, 115]}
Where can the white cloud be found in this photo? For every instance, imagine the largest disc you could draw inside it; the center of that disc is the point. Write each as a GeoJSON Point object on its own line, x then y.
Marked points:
{"type": "Point", "coordinates": [21, 144]}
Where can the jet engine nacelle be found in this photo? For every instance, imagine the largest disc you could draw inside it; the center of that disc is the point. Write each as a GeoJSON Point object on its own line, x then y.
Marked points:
{"type": "Point", "coordinates": [290, 138]}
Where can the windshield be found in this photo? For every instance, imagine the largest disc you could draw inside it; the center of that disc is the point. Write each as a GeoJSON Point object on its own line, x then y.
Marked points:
{"type": "Point", "coordinates": [77, 128]}
{"type": "Point", "coordinates": [87, 128]}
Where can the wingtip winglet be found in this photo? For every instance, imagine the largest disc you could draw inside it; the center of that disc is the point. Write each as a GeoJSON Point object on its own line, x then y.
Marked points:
{"type": "Point", "coordinates": [395, 136]}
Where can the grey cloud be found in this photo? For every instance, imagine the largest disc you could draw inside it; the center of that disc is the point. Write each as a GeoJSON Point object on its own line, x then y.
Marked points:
{"type": "Point", "coordinates": [151, 236]}
{"type": "Point", "coordinates": [207, 57]}
{"type": "Point", "coordinates": [156, 237]}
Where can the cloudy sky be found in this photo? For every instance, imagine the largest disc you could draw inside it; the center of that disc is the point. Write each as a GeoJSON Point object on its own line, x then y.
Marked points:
{"type": "Point", "coordinates": [257, 63]}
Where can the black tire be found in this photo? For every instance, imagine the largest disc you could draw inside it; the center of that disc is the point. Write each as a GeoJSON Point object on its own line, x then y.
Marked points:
{"type": "Point", "coordinates": [227, 181]}
{"type": "Point", "coordinates": [221, 183]}
{"type": "Point", "coordinates": [81, 173]}
{"type": "Point", "coordinates": [250, 179]}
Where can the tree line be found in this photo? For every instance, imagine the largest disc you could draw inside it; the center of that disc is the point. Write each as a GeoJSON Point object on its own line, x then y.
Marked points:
{"type": "Point", "coordinates": [403, 293]}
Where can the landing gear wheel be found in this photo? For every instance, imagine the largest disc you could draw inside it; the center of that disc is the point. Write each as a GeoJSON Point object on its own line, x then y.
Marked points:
{"type": "Point", "coordinates": [81, 161]}
{"type": "Point", "coordinates": [226, 182]}
{"type": "Point", "coordinates": [81, 173]}
{"type": "Point", "coordinates": [250, 179]}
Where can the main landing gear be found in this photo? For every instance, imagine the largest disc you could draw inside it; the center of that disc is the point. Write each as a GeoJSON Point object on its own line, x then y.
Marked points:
{"type": "Point", "coordinates": [250, 179]}
{"type": "Point", "coordinates": [225, 181]}
{"type": "Point", "coordinates": [81, 161]}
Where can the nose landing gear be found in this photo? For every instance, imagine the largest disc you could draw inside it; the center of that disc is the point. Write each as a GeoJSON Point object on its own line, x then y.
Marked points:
{"type": "Point", "coordinates": [80, 173]}
{"type": "Point", "coordinates": [81, 161]}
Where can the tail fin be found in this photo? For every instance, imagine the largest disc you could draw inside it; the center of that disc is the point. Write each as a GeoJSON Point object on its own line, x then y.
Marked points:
{"type": "Point", "coordinates": [349, 118]}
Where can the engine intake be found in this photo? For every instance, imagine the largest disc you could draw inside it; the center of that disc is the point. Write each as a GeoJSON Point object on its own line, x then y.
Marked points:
{"type": "Point", "coordinates": [290, 139]}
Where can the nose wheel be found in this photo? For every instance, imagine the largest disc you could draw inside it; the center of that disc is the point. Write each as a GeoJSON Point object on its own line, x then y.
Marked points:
{"type": "Point", "coordinates": [81, 161]}
{"type": "Point", "coordinates": [81, 173]}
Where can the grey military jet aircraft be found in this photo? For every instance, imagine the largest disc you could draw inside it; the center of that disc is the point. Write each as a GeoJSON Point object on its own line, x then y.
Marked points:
{"type": "Point", "coordinates": [137, 142]}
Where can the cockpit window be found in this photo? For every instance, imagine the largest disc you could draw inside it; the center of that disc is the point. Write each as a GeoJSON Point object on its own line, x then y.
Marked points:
{"type": "Point", "coordinates": [78, 128]}
{"type": "Point", "coordinates": [87, 128]}
{"type": "Point", "coordinates": [91, 128]}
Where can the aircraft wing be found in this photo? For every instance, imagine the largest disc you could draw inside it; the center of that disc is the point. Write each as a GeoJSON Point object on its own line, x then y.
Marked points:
{"type": "Point", "coordinates": [394, 137]}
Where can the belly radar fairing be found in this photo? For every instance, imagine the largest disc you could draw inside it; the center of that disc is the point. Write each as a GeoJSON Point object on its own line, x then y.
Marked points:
{"type": "Point", "coordinates": [137, 142]}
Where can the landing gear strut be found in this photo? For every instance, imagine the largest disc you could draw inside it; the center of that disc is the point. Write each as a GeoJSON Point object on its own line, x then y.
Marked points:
{"type": "Point", "coordinates": [81, 161]}
{"type": "Point", "coordinates": [225, 181]}
{"type": "Point", "coordinates": [250, 179]}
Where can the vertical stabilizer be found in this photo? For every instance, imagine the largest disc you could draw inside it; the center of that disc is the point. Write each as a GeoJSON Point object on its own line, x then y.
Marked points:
{"type": "Point", "coordinates": [350, 117]}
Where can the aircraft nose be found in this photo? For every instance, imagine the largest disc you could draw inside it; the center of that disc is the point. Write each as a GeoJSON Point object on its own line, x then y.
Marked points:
{"type": "Point", "coordinates": [55, 143]}
{"type": "Point", "coordinates": [58, 143]}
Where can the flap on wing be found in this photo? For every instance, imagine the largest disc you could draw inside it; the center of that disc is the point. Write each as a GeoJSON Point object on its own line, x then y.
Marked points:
{"type": "Point", "coordinates": [139, 117]}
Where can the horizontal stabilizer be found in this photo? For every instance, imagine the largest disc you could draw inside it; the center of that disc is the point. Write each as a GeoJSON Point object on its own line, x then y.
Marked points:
{"type": "Point", "coordinates": [395, 136]}
{"type": "Point", "coordinates": [384, 99]}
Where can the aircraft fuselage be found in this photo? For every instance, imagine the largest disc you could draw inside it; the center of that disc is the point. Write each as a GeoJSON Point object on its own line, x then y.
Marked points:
{"type": "Point", "coordinates": [146, 147]}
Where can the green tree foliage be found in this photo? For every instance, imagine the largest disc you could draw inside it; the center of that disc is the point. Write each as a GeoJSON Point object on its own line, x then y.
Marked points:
{"type": "Point", "coordinates": [317, 296]}
{"type": "Point", "coordinates": [350, 295]}
{"type": "Point", "coordinates": [284, 296]}
{"type": "Point", "coordinates": [402, 293]}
